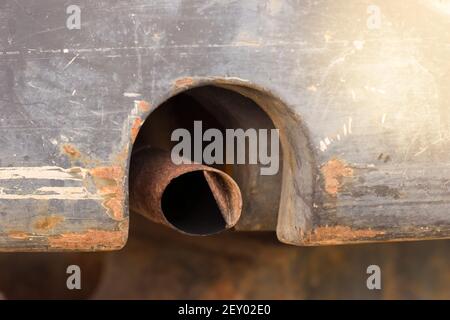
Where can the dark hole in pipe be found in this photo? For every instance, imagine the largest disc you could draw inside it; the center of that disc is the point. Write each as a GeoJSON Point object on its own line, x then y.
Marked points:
{"type": "Point", "coordinates": [189, 205]}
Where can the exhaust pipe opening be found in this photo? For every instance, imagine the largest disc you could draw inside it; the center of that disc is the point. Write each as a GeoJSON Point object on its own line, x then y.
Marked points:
{"type": "Point", "coordinates": [192, 198]}
{"type": "Point", "coordinates": [189, 205]}
{"type": "Point", "coordinates": [220, 109]}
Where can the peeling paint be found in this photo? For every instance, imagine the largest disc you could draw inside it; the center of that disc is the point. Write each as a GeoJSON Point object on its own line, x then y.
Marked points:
{"type": "Point", "coordinates": [45, 172]}
{"type": "Point", "coordinates": [184, 82]}
{"type": "Point", "coordinates": [75, 154]}
{"type": "Point", "coordinates": [63, 196]}
{"type": "Point", "coordinates": [71, 151]}
{"type": "Point", "coordinates": [137, 123]}
{"type": "Point", "coordinates": [109, 183]}
{"type": "Point", "coordinates": [340, 234]}
{"type": "Point", "coordinates": [144, 106]}
{"type": "Point", "coordinates": [89, 240]}
{"type": "Point", "coordinates": [18, 235]}
{"type": "Point", "coordinates": [49, 193]}
{"type": "Point", "coordinates": [333, 172]}
{"type": "Point", "coordinates": [47, 223]}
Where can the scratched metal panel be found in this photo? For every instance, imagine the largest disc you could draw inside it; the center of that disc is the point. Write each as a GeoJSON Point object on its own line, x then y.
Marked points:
{"type": "Point", "coordinates": [372, 102]}
{"type": "Point", "coordinates": [386, 176]}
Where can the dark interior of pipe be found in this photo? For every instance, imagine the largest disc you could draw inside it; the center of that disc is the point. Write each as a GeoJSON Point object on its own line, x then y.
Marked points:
{"type": "Point", "coordinates": [189, 205]}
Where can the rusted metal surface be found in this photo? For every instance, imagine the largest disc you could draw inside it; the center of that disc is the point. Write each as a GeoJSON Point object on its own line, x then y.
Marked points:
{"type": "Point", "coordinates": [191, 198]}
{"type": "Point", "coordinates": [363, 113]}
{"type": "Point", "coordinates": [333, 173]}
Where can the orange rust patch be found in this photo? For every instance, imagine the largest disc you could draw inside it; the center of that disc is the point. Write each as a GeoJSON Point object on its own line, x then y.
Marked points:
{"type": "Point", "coordinates": [71, 151]}
{"type": "Point", "coordinates": [91, 239]}
{"type": "Point", "coordinates": [107, 173]}
{"type": "Point", "coordinates": [144, 106]}
{"type": "Point", "coordinates": [19, 235]}
{"type": "Point", "coordinates": [47, 223]}
{"type": "Point", "coordinates": [109, 183]}
{"type": "Point", "coordinates": [340, 234]}
{"type": "Point", "coordinates": [333, 172]}
{"type": "Point", "coordinates": [184, 82]}
{"type": "Point", "coordinates": [135, 129]}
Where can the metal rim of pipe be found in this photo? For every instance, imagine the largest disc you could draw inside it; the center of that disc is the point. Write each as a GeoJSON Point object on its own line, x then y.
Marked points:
{"type": "Point", "coordinates": [192, 198]}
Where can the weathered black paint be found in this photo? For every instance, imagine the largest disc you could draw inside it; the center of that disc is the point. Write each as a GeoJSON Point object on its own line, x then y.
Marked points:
{"type": "Point", "coordinates": [70, 105]}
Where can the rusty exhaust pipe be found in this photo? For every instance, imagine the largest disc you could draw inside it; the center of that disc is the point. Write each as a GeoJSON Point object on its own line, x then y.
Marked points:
{"type": "Point", "coordinates": [191, 198]}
